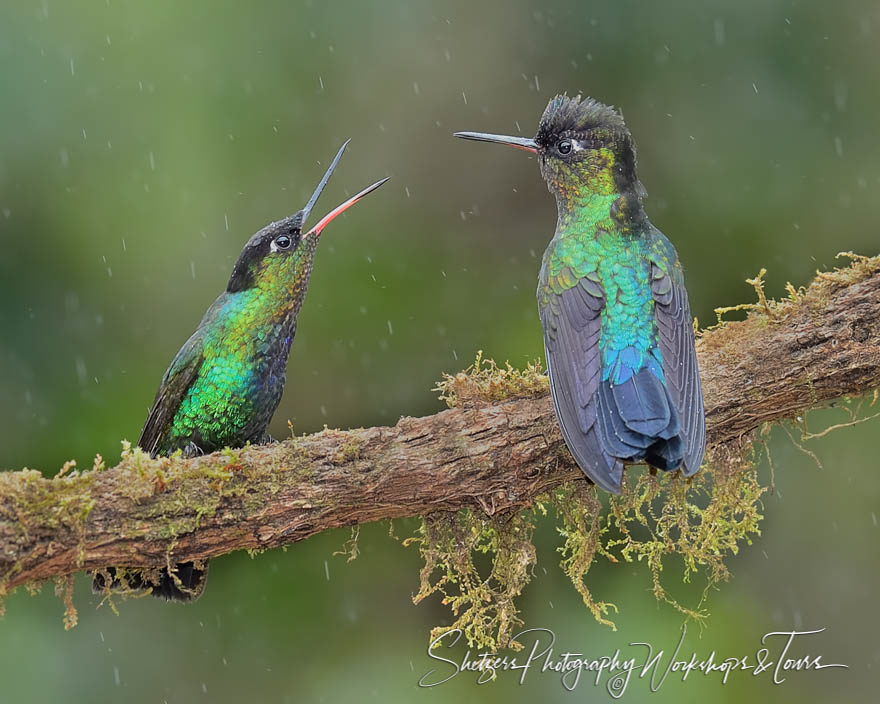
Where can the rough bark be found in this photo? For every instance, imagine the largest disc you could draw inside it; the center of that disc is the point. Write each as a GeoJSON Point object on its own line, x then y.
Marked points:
{"type": "Point", "coordinates": [783, 359]}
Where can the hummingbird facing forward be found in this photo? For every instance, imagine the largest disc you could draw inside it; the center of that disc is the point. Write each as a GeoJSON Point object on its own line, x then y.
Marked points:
{"type": "Point", "coordinates": [618, 333]}
{"type": "Point", "coordinates": [223, 386]}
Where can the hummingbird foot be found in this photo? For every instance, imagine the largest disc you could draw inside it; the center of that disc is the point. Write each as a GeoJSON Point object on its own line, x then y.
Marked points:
{"type": "Point", "coordinates": [192, 450]}
{"type": "Point", "coordinates": [185, 581]}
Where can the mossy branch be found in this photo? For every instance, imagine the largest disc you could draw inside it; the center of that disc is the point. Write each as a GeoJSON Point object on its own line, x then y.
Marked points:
{"type": "Point", "coordinates": [496, 451]}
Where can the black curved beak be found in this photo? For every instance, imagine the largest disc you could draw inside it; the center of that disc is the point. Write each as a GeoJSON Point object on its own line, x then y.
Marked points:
{"type": "Point", "coordinates": [342, 207]}
{"type": "Point", "coordinates": [523, 143]}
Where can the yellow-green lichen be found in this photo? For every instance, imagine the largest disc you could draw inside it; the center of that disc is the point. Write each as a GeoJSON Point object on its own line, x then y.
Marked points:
{"type": "Point", "coordinates": [484, 381]}
{"type": "Point", "coordinates": [767, 310]}
{"type": "Point", "coordinates": [701, 521]}
{"type": "Point", "coordinates": [484, 606]}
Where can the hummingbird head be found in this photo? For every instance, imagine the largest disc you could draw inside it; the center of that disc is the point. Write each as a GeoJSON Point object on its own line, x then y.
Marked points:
{"type": "Point", "coordinates": [281, 254]}
{"type": "Point", "coordinates": [584, 149]}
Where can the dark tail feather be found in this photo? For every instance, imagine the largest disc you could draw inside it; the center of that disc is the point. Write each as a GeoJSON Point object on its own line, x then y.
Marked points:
{"type": "Point", "coordinates": [638, 421]}
{"type": "Point", "coordinates": [185, 584]}
{"type": "Point", "coordinates": [665, 454]}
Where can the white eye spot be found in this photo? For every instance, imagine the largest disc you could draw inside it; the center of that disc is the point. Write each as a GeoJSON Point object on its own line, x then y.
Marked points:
{"type": "Point", "coordinates": [576, 146]}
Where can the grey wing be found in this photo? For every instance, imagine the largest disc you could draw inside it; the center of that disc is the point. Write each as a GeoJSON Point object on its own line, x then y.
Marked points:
{"type": "Point", "coordinates": [180, 375]}
{"type": "Point", "coordinates": [676, 332]}
{"type": "Point", "coordinates": [572, 323]}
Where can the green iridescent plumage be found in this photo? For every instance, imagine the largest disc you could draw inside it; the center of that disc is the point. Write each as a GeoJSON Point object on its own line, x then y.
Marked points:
{"type": "Point", "coordinates": [226, 382]}
{"type": "Point", "coordinates": [611, 297]}
{"type": "Point", "coordinates": [223, 386]}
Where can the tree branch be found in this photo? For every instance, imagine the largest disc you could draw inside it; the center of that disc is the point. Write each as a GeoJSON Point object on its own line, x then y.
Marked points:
{"type": "Point", "coordinates": [491, 453]}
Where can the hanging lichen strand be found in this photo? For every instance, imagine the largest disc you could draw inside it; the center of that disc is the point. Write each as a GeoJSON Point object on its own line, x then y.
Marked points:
{"type": "Point", "coordinates": [703, 521]}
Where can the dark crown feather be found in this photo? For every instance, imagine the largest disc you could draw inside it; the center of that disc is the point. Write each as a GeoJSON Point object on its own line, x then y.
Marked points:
{"type": "Point", "coordinates": [578, 114]}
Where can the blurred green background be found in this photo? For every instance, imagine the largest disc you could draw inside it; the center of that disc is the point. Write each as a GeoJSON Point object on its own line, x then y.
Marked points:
{"type": "Point", "coordinates": [142, 143]}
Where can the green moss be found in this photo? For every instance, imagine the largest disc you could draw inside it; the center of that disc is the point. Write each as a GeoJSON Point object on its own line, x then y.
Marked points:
{"type": "Point", "coordinates": [484, 382]}
{"type": "Point", "coordinates": [351, 449]}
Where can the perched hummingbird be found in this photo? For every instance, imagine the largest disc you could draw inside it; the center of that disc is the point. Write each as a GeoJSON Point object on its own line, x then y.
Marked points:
{"type": "Point", "coordinates": [222, 388]}
{"type": "Point", "coordinates": [618, 333]}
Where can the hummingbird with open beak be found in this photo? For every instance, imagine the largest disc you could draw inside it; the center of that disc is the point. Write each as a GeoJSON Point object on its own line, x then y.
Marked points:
{"type": "Point", "coordinates": [224, 385]}
{"type": "Point", "coordinates": [618, 332]}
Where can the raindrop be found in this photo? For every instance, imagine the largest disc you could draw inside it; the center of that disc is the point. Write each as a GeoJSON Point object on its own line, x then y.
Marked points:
{"type": "Point", "coordinates": [65, 158]}
{"type": "Point", "coordinates": [390, 329]}
{"type": "Point", "coordinates": [838, 146]}
{"type": "Point", "coordinates": [840, 95]}
{"type": "Point", "coordinates": [719, 32]}
{"type": "Point", "coordinates": [72, 71]}
{"type": "Point", "coordinates": [327, 570]}
{"type": "Point", "coordinates": [416, 88]}
{"type": "Point", "coordinates": [116, 675]}
{"type": "Point", "coordinates": [226, 221]}
{"type": "Point", "coordinates": [152, 162]}
{"type": "Point", "coordinates": [81, 371]}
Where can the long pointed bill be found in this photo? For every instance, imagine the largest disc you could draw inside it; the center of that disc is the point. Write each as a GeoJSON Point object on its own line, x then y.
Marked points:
{"type": "Point", "coordinates": [317, 194]}
{"type": "Point", "coordinates": [523, 143]}
{"type": "Point", "coordinates": [339, 209]}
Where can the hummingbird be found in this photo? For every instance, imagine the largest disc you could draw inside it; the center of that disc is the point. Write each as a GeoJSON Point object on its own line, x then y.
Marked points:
{"type": "Point", "coordinates": [223, 386]}
{"type": "Point", "coordinates": [618, 332]}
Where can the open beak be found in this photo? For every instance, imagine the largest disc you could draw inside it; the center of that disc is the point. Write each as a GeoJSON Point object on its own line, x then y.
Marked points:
{"type": "Point", "coordinates": [339, 209]}
{"type": "Point", "coordinates": [523, 143]}
{"type": "Point", "coordinates": [317, 194]}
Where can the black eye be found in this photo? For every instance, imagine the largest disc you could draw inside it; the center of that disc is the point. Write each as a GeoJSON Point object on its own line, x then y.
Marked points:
{"type": "Point", "coordinates": [283, 242]}
{"type": "Point", "coordinates": [564, 147]}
